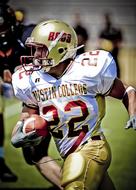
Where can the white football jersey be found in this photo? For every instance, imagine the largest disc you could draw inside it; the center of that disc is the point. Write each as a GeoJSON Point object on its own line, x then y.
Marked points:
{"type": "Point", "coordinates": [73, 103]}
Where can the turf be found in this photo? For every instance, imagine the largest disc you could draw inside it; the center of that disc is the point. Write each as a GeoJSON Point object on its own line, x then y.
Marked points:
{"type": "Point", "coordinates": [123, 142]}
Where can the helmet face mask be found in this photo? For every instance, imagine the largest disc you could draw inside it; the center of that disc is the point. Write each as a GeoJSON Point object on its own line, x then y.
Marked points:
{"type": "Point", "coordinates": [57, 38]}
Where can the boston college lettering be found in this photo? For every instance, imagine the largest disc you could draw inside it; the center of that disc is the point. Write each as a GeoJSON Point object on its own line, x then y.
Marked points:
{"type": "Point", "coordinates": [65, 37]}
{"type": "Point", "coordinates": [60, 91]}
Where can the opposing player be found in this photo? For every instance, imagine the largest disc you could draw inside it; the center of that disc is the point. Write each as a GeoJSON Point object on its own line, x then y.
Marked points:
{"type": "Point", "coordinates": [69, 93]}
{"type": "Point", "coordinates": [11, 48]}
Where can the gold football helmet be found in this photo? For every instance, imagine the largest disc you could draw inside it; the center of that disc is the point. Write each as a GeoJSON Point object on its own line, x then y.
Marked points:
{"type": "Point", "coordinates": [59, 40]}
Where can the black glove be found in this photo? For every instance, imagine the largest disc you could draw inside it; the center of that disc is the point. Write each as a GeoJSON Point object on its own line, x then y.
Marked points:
{"type": "Point", "coordinates": [131, 123]}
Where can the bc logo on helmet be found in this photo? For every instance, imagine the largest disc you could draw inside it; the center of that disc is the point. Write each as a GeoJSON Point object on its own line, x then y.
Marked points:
{"type": "Point", "coordinates": [65, 37]}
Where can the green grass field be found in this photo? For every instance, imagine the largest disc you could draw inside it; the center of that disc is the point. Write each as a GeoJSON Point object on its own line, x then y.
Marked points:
{"type": "Point", "coordinates": [122, 142]}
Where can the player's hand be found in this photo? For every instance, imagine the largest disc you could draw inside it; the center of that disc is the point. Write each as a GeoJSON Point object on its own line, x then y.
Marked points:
{"type": "Point", "coordinates": [7, 76]}
{"type": "Point", "coordinates": [131, 123]}
{"type": "Point", "coordinates": [7, 90]}
{"type": "Point", "coordinates": [20, 139]}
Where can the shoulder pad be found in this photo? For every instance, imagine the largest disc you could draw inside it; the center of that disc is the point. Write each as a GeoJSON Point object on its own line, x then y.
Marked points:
{"type": "Point", "coordinates": [21, 78]}
{"type": "Point", "coordinates": [95, 61]}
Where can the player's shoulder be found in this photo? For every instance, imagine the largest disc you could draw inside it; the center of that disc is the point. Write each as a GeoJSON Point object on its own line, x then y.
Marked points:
{"type": "Point", "coordinates": [20, 78]}
{"type": "Point", "coordinates": [20, 73]}
{"type": "Point", "coordinates": [93, 62]}
{"type": "Point", "coordinates": [101, 54]}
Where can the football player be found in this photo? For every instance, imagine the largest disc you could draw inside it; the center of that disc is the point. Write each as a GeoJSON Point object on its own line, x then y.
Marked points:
{"type": "Point", "coordinates": [69, 93]}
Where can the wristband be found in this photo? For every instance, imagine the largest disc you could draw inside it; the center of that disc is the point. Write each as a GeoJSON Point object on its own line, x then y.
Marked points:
{"type": "Point", "coordinates": [129, 88]}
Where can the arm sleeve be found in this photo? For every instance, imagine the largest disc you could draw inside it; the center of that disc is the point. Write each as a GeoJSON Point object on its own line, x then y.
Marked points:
{"type": "Point", "coordinates": [107, 76]}
{"type": "Point", "coordinates": [22, 91]}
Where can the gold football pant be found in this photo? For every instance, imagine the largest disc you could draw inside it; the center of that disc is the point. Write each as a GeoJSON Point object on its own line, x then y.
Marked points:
{"type": "Point", "coordinates": [86, 168]}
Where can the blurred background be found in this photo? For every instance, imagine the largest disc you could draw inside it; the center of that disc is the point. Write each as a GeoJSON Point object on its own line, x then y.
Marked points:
{"type": "Point", "coordinates": [91, 13]}
{"type": "Point", "coordinates": [109, 25]}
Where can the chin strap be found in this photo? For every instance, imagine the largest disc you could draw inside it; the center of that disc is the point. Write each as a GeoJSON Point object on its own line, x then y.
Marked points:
{"type": "Point", "coordinates": [71, 53]}
{"type": "Point", "coordinates": [78, 47]}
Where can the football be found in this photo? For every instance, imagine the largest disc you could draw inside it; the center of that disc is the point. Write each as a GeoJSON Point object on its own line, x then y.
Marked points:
{"type": "Point", "coordinates": [35, 123]}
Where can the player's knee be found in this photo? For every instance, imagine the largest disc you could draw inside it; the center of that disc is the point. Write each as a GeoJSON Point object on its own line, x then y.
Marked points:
{"type": "Point", "coordinates": [73, 172]}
